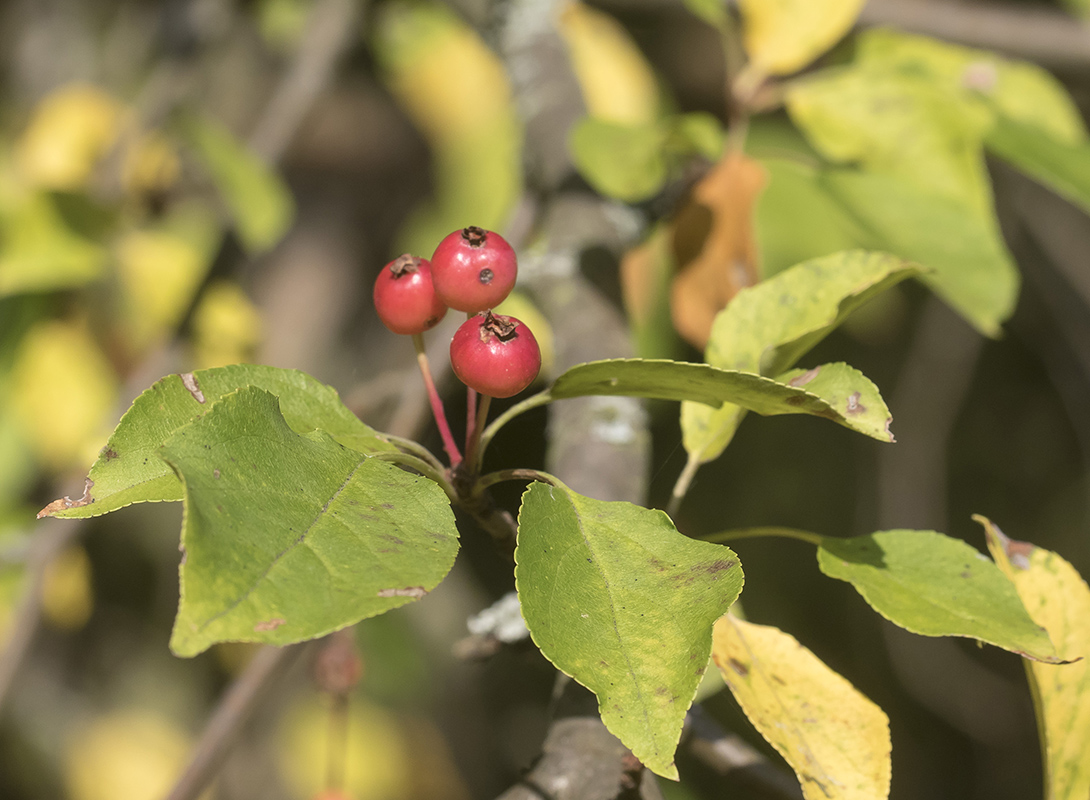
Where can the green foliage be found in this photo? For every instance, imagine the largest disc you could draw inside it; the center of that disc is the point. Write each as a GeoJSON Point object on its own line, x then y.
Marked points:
{"type": "Point", "coordinates": [288, 536]}
{"type": "Point", "coordinates": [615, 597]}
{"type": "Point", "coordinates": [934, 585]}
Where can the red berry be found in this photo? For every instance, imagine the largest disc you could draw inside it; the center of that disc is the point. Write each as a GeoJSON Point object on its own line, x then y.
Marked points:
{"type": "Point", "coordinates": [473, 269]}
{"type": "Point", "coordinates": [494, 354]}
{"type": "Point", "coordinates": [405, 298]}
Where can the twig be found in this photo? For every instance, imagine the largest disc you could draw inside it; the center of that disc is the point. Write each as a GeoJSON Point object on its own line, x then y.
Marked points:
{"type": "Point", "coordinates": [234, 709]}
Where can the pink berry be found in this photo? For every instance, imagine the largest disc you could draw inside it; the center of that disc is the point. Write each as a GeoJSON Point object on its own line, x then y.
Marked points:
{"type": "Point", "coordinates": [405, 298]}
{"type": "Point", "coordinates": [494, 354]}
{"type": "Point", "coordinates": [473, 269]}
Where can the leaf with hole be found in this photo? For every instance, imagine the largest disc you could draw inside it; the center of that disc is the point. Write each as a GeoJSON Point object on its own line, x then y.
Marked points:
{"type": "Point", "coordinates": [616, 598]}
{"type": "Point", "coordinates": [287, 537]}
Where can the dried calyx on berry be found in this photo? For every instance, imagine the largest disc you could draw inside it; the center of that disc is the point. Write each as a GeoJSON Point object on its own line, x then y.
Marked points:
{"type": "Point", "coordinates": [405, 297]}
{"type": "Point", "coordinates": [474, 269]}
{"type": "Point", "coordinates": [495, 354]}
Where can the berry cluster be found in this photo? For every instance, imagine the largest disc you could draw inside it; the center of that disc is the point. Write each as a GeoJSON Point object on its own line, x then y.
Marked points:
{"type": "Point", "coordinates": [472, 270]}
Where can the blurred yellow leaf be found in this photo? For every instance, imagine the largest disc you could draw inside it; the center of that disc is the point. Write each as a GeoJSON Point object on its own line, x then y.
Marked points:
{"type": "Point", "coordinates": [160, 270]}
{"type": "Point", "coordinates": [835, 739]}
{"type": "Point", "coordinates": [617, 82]}
{"type": "Point", "coordinates": [1058, 599]}
{"type": "Point", "coordinates": [715, 245]}
{"type": "Point", "coordinates": [69, 131]}
{"type": "Point", "coordinates": [783, 36]}
{"type": "Point", "coordinates": [135, 755]}
{"type": "Point", "coordinates": [67, 598]}
{"type": "Point", "coordinates": [64, 393]}
{"type": "Point", "coordinates": [646, 272]}
{"type": "Point", "coordinates": [151, 164]}
{"type": "Point", "coordinates": [226, 326]}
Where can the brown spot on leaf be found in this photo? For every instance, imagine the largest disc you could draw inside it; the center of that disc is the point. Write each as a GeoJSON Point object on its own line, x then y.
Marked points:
{"type": "Point", "coordinates": [109, 453]}
{"type": "Point", "coordinates": [189, 381]}
{"type": "Point", "coordinates": [387, 506]}
{"type": "Point", "coordinates": [738, 667]}
{"type": "Point", "coordinates": [854, 406]}
{"type": "Point", "coordinates": [409, 591]}
{"type": "Point", "coordinates": [804, 378]}
{"type": "Point", "coordinates": [216, 474]}
{"type": "Point", "coordinates": [268, 625]}
{"type": "Point", "coordinates": [796, 400]}
{"type": "Point", "coordinates": [889, 433]}
{"type": "Point", "coordinates": [64, 503]}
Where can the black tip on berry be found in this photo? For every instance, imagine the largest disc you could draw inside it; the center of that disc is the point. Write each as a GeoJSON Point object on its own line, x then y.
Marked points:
{"type": "Point", "coordinates": [404, 265]}
{"type": "Point", "coordinates": [474, 236]}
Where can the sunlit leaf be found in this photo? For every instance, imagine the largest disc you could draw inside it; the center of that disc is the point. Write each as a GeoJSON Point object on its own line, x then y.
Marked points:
{"type": "Point", "coordinates": [768, 327]}
{"type": "Point", "coordinates": [70, 130]}
{"type": "Point", "coordinates": [615, 597]}
{"type": "Point", "coordinates": [1057, 598]}
{"type": "Point", "coordinates": [226, 326]}
{"type": "Point", "coordinates": [259, 202]}
{"type": "Point", "coordinates": [129, 469]}
{"type": "Point", "coordinates": [935, 585]}
{"type": "Point", "coordinates": [617, 82]}
{"type": "Point", "coordinates": [835, 739]}
{"type": "Point", "coordinates": [63, 390]}
{"type": "Point", "coordinates": [621, 161]}
{"type": "Point", "coordinates": [782, 36]}
{"type": "Point", "coordinates": [288, 536]}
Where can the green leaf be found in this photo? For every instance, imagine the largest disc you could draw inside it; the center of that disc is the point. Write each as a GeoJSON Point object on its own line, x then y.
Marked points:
{"type": "Point", "coordinates": [969, 265]}
{"type": "Point", "coordinates": [835, 739]}
{"type": "Point", "coordinates": [768, 327]}
{"type": "Point", "coordinates": [832, 395]}
{"type": "Point", "coordinates": [935, 585]}
{"type": "Point", "coordinates": [39, 250]}
{"type": "Point", "coordinates": [698, 133]}
{"type": "Point", "coordinates": [616, 598]}
{"type": "Point", "coordinates": [1058, 598]}
{"type": "Point", "coordinates": [621, 161]}
{"type": "Point", "coordinates": [1062, 166]}
{"type": "Point", "coordinates": [287, 536]}
{"type": "Point", "coordinates": [786, 35]}
{"type": "Point", "coordinates": [259, 201]}
{"type": "Point", "coordinates": [129, 469]}
{"type": "Point", "coordinates": [713, 12]}
{"type": "Point", "coordinates": [1019, 90]}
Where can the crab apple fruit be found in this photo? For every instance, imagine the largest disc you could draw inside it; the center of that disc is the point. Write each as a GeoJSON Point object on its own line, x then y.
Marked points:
{"type": "Point", "coordinates": [473, 269]}
{"type": "Point", "coordinates": [495, 354]}
{"type": "Point", "coordinates": [405, 298]}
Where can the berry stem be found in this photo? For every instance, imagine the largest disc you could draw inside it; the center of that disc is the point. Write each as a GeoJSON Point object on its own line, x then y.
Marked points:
{"type": "Point", "coordinates": [436, 403]}
{"type": "Point", "coordinates": [474, 438]}
{"type": "Point", "coordinates": [471, 417]}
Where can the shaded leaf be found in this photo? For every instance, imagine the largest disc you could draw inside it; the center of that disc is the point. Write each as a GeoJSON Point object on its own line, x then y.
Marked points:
{"type": "Point", "coordinates": [1057, 598]}
{"type": "Point", "coordinates": [714, 12]}
{"type": "Point", "coordinates": [288, 537]}
{"type": "Point", "coordinates": [259, 202]}
{"type": "Point", "coordinates": [835, 739]}
{"type": "Point", "coordinates": [1062, 166]}
{"type": "Point", "coordinates": [714, 245]}
{"type": "Point", "coordinates": [646, 271]}
{"type": "Point", "coordinates": [935, 585]}
{"type": "Point", "coordinates": [623, 161]}
{"type": "Point", "coordinates": [698, 132]}
{"type": "Point", "coordinates": [783, 36]}
{"type": "Point", "coordinates": [129, 469]}
{"type": "Point", "coordinates": [615, 597]}
{"type": "Point", "coordinates": [847, 397]}
{"type": "Point", "coordinates": [768, 327]}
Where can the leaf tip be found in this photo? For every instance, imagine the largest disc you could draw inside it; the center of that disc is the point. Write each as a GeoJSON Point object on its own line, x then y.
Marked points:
{"type": "Point", "coordinates": [66, 503]}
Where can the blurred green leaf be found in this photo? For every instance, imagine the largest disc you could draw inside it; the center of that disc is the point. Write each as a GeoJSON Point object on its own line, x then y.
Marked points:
{"type": "Point", "coordinates": [129, 469]}
{"type": "Point", "coordinates": [935, 585]}
{"type": "Point", "coordinates": [288, 537]}
{"type": "Point", "coordinates": [258, 200]}
{"type": "Point", "coordinates": [615, 597]}
{"type": "Point", "coordinates": [768, 327]}
{"type": "Point", "coordinates": [698, 133]}
{"type": "Point", "coordinates": [621, 161]}
{"type": "Point", "coordinates": [1061, 166]}
{"type": "Point", "coordinates": [1057, 598]}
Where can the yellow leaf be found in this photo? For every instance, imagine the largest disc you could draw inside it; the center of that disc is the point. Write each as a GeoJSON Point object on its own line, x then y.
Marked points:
{"type": "Point", "coordinates": [70, 130]}
{"type": "Point", "coordinates": [64, 393]}
{"type": "Point", "coordinates": [136, 755]}
{"type": "Point", "coordinates": [835, 739]}
{"type": "Point", "coordinates": [67, 599]}
{"type": "Point", "coordinates": [1058, 599]}
{"type": "Point", "coordinates": [783, 36]}
{"type": "Point", "coordinates": [161, 269]}
{"type": "Point", "coordinates": [151, 164]}
{"type": "Point", "coordinates": [617, 82]}
{"type": "Point", "coordinates": [226, 326]}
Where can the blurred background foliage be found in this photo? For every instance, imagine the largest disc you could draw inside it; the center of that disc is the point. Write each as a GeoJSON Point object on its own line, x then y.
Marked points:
{"type": "Point", "coordinates": [191, 183]}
